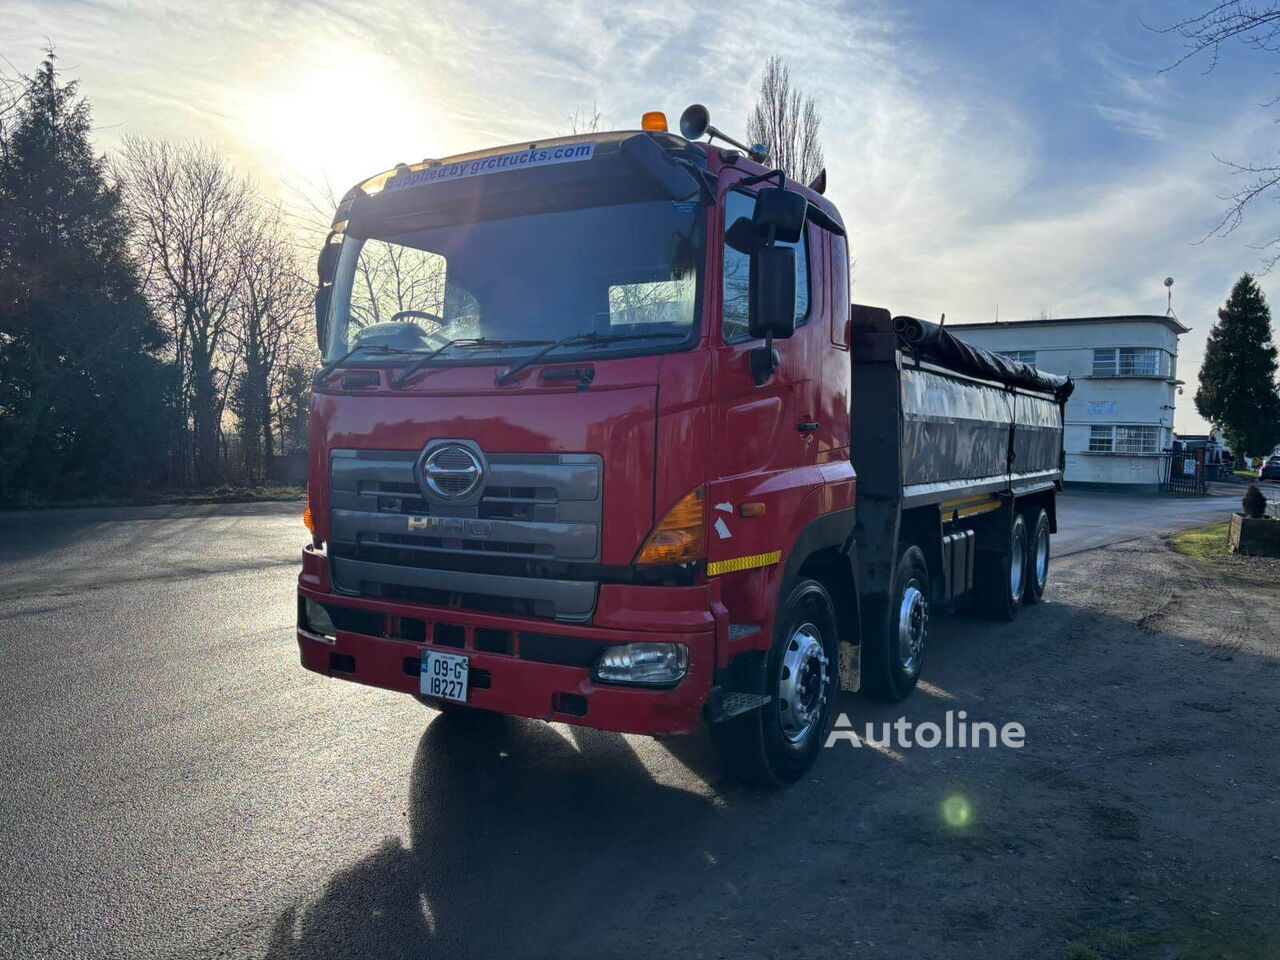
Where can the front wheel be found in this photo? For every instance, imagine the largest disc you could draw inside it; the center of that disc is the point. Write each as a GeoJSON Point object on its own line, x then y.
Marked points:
{"type": "Point", "coordinates": [773, 746]}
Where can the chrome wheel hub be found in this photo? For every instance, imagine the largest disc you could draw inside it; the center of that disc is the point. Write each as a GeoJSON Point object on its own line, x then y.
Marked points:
{"type": "Point", "coordinates": [1017, 567]}
{"type": "Point", "coordinates": [913, 627]}
{"type": "Point", "coordinates": [802, 683]}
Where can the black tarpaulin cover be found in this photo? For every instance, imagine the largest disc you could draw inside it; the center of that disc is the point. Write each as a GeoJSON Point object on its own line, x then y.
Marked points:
{"type": "Point", "coordinates": [934, 343]}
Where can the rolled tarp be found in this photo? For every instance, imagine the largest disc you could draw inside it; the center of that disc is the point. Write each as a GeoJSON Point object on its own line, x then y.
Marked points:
{"type": "Point", "coordinates": [937, 345]}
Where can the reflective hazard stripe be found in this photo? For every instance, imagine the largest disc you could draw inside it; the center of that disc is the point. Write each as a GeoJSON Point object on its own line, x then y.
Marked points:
{"type": "Point", "coordinates": [743, 563]}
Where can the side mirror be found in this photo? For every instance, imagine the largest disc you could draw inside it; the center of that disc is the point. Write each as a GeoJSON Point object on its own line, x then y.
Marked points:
{"type": "Point", "coordinates": [772, 285]}
{"type": "Point", "coordinates": [323, 296]}
{"type": "Point", "coordinates": [657, 164]}
{"type": "Point", "coordinates": [771, 308]}
{"type": "Point", "coordinates": [326, 267]}
{"type": "Point", "coordinates": [780, 215]}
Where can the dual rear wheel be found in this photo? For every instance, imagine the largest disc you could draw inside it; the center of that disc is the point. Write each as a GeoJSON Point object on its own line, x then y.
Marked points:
{"type": "Point", "coordinates": [1020, 573]}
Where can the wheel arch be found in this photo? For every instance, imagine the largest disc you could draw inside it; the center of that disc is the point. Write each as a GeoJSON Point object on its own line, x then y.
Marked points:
{"type": "Point", "coordinates": [826, 551]}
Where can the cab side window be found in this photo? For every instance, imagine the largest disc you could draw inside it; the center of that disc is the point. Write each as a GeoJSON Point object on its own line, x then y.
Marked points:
{"type": "Point", "coordinates": [737, 268]}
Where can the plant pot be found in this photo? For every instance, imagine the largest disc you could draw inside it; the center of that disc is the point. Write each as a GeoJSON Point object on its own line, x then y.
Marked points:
{"type": "Point", "coordinates": [1254, 537]}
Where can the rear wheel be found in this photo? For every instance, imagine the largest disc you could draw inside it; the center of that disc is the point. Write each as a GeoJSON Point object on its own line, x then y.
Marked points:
{"type": "Point", "coordinates": [1038, 557]}
{"type": "Point", "coordinates": [1002, 582]}
{"type": "Point", "coordinates": [773, 746]}
{"type": "Point", "coordinates": [892, 662]}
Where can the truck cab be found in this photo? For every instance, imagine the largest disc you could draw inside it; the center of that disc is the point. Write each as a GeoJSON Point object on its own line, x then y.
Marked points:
{"type": "Point", "coordinates": [580, 444]}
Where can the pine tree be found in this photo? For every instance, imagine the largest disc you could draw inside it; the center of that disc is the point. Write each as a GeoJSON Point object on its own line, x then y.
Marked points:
{"type": "Point", "coordinates": [82, 395]}
{"type": "Point", "coordinates": [1238, 390]}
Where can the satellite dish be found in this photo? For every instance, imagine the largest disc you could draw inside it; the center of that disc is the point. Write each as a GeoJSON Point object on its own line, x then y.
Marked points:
{"type": "Point", "coordinates": [1168, 281]}
{"type": "Point", "coordinates": [695, 122]}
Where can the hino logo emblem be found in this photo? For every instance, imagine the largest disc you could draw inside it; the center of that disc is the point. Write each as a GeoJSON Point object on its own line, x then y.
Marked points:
{"type": "Point", "coordinates": [449, 527]}
{"type": "Point", "coordinates": [452, 472]}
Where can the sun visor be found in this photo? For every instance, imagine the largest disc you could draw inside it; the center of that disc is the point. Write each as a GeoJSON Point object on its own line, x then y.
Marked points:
{"type": "Point", "coordinates": [519, 182]}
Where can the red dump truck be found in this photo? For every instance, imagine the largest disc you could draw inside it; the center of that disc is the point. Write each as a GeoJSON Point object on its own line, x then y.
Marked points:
{"type": "Point", "coordinates": [598, 438]}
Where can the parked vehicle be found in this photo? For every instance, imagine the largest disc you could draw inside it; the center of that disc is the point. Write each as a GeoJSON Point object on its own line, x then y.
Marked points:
{"type": "Point", "coordinates": [1270, 469]}
{"type": "Point", "coordinates": [599, 439]}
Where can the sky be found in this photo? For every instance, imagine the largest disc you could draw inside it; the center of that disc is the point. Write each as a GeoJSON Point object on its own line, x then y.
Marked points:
{"type": "Point", "coordinates": [991, 159]}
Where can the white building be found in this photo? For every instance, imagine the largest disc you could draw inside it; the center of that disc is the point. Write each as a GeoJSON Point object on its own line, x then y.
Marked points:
{"type": "Point", "coordinates": [1119, 421]}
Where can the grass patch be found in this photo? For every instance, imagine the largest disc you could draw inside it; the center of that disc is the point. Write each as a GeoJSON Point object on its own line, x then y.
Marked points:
{"type": "Point", "coordinates": [1246, 474]}
{"type": "Point", "coordinates": [1203, 543]}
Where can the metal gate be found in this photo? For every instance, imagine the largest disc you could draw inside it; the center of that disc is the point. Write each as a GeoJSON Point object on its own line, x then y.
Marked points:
{"type": "Point", "coordinates": [1183, 473]}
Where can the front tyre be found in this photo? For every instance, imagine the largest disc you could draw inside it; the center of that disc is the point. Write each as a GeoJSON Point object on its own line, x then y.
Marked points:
{"type": "Point", "coordinates": [1037, 557]}
{"type": "Point", "coordinates": [773, 746]}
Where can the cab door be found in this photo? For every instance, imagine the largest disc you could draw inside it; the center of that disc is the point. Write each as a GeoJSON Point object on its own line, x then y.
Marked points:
{"type": "Point", "coordinates": [765, 447]}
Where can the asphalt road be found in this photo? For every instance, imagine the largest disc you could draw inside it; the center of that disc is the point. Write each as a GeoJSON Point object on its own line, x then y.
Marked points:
{"type": "Point", "coordinates": [175, 785]}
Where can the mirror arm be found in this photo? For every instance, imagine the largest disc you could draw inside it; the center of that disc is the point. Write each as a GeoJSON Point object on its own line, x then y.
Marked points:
{"type": "Point", "coordinates": [764, 361]}
{"type": "Point", "coordinates": [762, 177]}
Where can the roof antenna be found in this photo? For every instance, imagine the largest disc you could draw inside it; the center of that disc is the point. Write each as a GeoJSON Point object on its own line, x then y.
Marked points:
{"type": "Point", "coordinates": [943, 322]}
{"type": "Point", "coordinates": [1168, 285]}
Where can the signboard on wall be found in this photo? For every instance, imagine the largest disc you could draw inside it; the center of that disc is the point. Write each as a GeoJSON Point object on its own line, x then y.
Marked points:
{"type": "Point", "coordinates": [1101, 408]}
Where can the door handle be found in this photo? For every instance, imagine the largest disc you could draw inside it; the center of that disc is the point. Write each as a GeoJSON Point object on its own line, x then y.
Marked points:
{"type": "Point", "coordinates": [808, 426]}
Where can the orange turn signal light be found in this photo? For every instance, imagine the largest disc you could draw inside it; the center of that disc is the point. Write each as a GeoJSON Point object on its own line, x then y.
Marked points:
{"type": "Point", "coordinates": [654, 121]}
{"type": "Point", "coordinates": [679, 537]}
{"type": "Point", "coordinates": [307, 521]}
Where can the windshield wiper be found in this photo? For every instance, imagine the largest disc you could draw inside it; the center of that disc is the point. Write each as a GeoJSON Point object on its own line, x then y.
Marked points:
{"type": "Point", "coordinates": [426, 358]}
{"type": "Point", "coordinates": [323, 373]}
{"type": "Point", "coordinates": [574, 339]}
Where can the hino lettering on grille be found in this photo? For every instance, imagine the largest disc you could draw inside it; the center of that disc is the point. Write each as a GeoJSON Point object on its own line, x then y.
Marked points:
{"type": "Point", "coordinates": [449, 526]}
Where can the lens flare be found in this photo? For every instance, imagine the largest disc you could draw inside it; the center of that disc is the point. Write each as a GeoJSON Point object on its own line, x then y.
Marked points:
{"type": "Point", "coordinates": [956, 811]}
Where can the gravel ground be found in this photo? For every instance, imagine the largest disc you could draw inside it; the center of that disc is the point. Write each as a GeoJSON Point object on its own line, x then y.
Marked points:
{"type": "Point", "coordinates": [176, 786]}
{"type": "Point", "coordinates": [1139, 819]}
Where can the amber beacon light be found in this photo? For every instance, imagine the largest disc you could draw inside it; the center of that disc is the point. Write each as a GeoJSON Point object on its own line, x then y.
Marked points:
{"type": "Point", "coordinates": [654, 121]}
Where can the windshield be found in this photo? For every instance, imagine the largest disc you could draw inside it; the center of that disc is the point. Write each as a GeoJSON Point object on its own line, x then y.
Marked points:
{"type": "Point", "coordinates": [624, 269]}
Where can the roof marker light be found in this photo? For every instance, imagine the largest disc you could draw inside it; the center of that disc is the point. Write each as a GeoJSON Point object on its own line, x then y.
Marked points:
{"type": "Point", "coordinates": [655, 121]}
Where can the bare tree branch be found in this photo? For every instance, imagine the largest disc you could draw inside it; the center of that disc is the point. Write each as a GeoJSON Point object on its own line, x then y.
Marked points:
{"type": "Point", "coordinates": [190, 211]}
{"type": "Point", "coordinates": [786, 122]}
{"type": "Point", "coordinates": [1256, 26]}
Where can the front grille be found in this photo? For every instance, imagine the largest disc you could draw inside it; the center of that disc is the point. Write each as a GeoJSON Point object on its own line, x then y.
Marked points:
{"type": "Point", "coordinates": [390, 538]}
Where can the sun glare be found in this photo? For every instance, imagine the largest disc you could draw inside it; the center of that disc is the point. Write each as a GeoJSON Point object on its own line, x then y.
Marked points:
{"type": "Point", "coordinates": [342, 116]}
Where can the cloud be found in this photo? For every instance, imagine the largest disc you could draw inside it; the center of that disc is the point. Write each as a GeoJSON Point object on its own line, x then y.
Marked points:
{"type": "Point", "coordinates": [950, 174]}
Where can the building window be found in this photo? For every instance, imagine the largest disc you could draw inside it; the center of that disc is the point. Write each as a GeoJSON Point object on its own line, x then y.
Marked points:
{"type": "Point", "coordinates": [1124, 439]}
{"type": "Point", "coordinates": [1022, 356]}
{"type": "Point", "coordinates": [1126, 362]}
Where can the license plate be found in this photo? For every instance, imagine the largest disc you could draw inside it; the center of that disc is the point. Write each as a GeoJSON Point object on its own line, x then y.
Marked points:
{"type": "Point", "coordinates": [444, 675]}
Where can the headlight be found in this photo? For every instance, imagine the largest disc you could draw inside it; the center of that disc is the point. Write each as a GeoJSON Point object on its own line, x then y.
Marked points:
{"type": "Point", "coordinates": [318, 620]}
{"type": "Point", "coordinates": [643, 664]}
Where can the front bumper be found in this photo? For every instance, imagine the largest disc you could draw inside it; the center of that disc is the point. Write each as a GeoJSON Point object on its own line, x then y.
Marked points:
{"type": "Point", "coordinates": [528, 668]}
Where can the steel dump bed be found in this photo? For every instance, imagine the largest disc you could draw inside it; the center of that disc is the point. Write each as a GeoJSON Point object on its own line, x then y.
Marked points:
{"type": "Point", "coordinates": [936, 419]}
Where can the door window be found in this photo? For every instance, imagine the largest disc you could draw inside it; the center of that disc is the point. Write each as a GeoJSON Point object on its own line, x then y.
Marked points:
{"type": "Point", "coordinates": [737, 266]}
